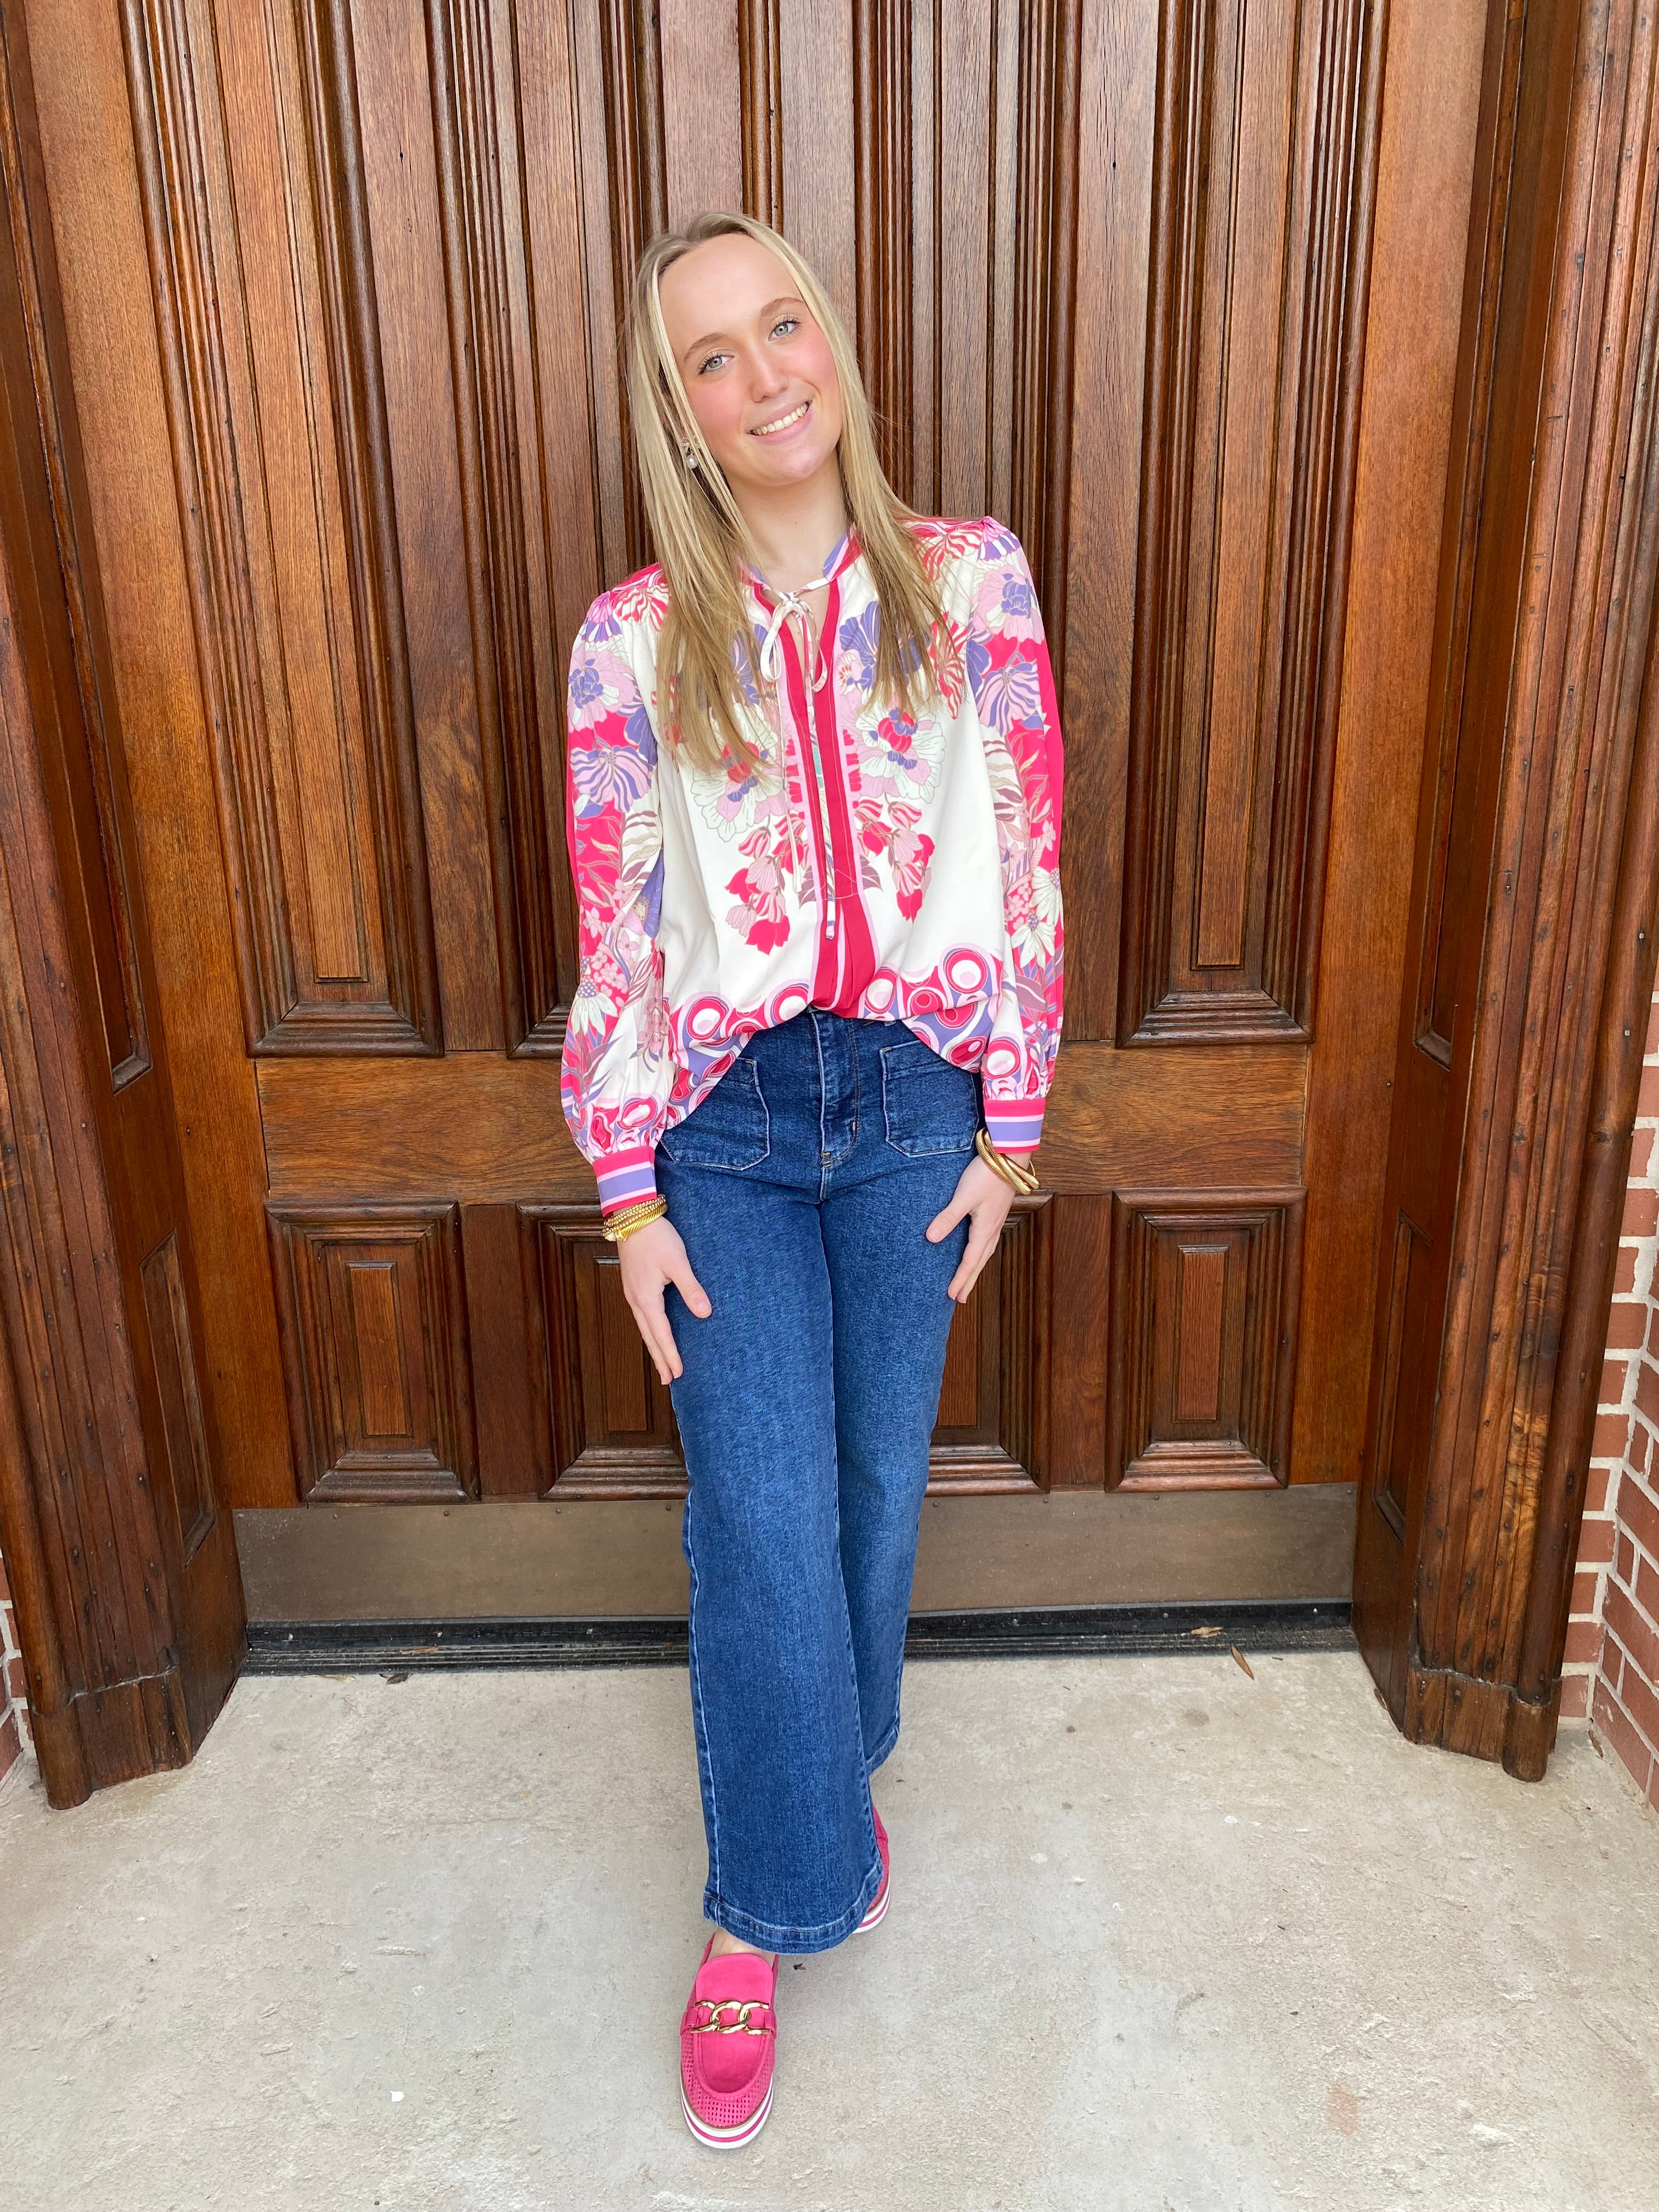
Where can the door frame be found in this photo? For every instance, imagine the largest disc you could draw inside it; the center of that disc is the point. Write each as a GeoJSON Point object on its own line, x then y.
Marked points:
{"type": "Point", "coordinates": [1549, 566]}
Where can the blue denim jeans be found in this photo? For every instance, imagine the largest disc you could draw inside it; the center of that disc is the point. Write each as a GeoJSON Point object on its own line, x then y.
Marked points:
{"type": "Point", "coordinates": [802, 1185]}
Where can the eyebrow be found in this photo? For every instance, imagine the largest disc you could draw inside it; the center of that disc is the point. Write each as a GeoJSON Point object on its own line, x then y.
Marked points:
{"type": "Point", "coordinates": [716, 337]}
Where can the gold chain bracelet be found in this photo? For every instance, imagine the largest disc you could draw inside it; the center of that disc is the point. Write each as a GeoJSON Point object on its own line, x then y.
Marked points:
{"type": "Point", "coordinates": [630, 1218]}
{"type": "Point", "coordinates": [1015, 1173]}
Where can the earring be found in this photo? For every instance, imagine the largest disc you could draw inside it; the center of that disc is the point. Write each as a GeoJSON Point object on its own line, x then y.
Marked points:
{"type": "Point", "coordinates": [689, 453]}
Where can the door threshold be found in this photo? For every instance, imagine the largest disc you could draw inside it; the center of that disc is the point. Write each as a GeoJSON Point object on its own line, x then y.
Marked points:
{"type": "Point", "coordinates": [399, 1647]}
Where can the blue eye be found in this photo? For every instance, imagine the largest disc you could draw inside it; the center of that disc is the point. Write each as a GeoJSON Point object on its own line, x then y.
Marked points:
{"type": "Point", "coordinates": [789, 323]}
{"type": "Point", "coordinates": [712, 358]}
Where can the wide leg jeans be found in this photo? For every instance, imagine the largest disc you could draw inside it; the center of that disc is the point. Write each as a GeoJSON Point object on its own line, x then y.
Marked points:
{"type": "Point", "coordinates": [802, 1186]}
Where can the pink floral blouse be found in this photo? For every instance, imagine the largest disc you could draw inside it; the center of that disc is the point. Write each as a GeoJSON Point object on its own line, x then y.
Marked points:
{"type": "Point", "coordinates": [872, 865]}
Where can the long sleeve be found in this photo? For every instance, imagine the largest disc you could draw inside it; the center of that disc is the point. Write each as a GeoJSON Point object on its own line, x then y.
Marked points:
{"type": "Point", "coordinates": [617, 1070]}
{"type": "Point", "coordinates": [1013, 688]}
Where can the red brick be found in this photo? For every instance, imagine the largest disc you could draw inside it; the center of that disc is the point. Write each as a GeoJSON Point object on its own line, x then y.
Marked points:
{"type": "Point", "coordinates": [1647, 1102]}
{"type": "Point", "coordinates": [1641, 1211]}
{"type": "Point", "coordinates": [1647, 1588]}
{"type": "Point", "coordinates": [1596, 1479]}
{"type": "Point", "coordinates": [1624, 1563]}
{"type": "Point", "coordinates": [1638, 1512]}
{"type": "Point", "coordinates": [1627, 1325]}
{"type": "Point", "coordinates": [1638, 1451]}
{"type": "Point", "coordinates": [1583, 1645]}
{"type": "Point", "coordinates": [1614, 1724]}
{"type": "Point", "coordinates": [1586, 1594]}
{"type": "Point", "coordinates": [1614, 1375]}
{"type": "Point", "coordinates": [1623, 1280]}
{"type": "Point", "coordinates": [1641, 1155]}
{"type": "Point", "coordinates": [11, 1742]}
{"type": "Point", "coordinates": [1633, 1629]}
{"type": "Point", "coordinates": [1647, 1389]}
{"type": "Point", "coordinates": [1596, 1541]}
{"type": "Point", "coordinates": [1609, 1441]}
{"type": "Point", "coordinates": [1652, 1047]}
{"type": "Point", "coordinates": [5, 1587]}
{"type": "Point", "coordinates": [1642, 1706]}
{"type": "Point", "coordinates": [1575, 1697]}
{"type": "Point", "coordinates": [1653, 1787]}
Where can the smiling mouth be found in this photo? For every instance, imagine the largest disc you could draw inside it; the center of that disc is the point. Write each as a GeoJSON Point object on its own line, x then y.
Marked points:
{"type": "Point", "coordinates": [783, 422]}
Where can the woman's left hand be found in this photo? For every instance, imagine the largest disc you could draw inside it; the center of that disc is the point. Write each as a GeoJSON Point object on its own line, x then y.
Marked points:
{"type": "Point", "coordinates": [983, 1199]}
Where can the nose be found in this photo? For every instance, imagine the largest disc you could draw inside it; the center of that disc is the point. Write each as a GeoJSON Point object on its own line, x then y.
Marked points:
{"type": "Point", "coordinates": [767, 378]}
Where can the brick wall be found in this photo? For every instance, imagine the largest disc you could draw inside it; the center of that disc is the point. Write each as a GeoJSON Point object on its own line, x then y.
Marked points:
{"type": "Point", "coordinates": [15, 1736]}
{"type": "Point", "coordinates": [1613, 1640]}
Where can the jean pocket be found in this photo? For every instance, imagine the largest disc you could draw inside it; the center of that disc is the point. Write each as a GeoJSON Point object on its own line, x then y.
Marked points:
{"type": "Point", "coordinates": [928, 1104]}
{"type": "Point", "coordinates": [729, 1129]}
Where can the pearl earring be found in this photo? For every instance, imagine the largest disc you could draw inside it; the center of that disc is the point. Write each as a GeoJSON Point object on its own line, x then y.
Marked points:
{"type": "Point", "coordinates": [690, 455]}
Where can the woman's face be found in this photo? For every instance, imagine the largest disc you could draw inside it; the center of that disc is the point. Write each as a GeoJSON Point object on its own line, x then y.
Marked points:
{"type": "Point", "coordinates": [756, 367]}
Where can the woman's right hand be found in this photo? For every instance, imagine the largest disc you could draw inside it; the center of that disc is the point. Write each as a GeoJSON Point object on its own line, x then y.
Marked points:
{"type": "Point", "coordinates": [651, 1258]}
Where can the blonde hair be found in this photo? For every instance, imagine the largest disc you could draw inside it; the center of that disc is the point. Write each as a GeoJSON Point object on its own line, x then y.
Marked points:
{"type": "Point", "coordinates": [705, 656]}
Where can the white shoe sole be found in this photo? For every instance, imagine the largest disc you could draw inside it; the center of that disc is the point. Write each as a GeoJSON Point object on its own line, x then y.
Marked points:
{"type": "Point", "coordinates": [726, 2138]}
{"type": "Point", "coordinates": [877, 1911]}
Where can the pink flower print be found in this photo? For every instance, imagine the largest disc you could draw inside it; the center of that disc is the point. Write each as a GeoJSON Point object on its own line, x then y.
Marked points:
{"type": "Point", "coordinates": [1006, 687]}
{"type": "Point", "coordinates": [759, 891]}
{"type": "Point", "coordinates": [856, 639]}
{"type": "Point", "coordinates": [608, 768]}
{"type": "Point", "coordinates": [911, 854]}
{"type": "Point", "coordinates": [898, 762]}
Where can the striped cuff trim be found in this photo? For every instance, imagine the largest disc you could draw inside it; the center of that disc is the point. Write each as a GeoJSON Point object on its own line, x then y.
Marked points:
{"type": "Point", "coordinates": [626, 1177]}
{"type": "Point", "coordinates": [1014, 1125]}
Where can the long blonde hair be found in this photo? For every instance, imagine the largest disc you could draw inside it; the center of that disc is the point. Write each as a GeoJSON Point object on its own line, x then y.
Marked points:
{"type": "Point", "coordinates": [705, 672]}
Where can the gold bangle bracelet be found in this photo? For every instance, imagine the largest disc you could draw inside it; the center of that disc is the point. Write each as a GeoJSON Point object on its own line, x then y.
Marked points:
{"type": "Point", "coordinates": [1014, 1173]}
{"type": "Point", "coordinates": [630, 1218]}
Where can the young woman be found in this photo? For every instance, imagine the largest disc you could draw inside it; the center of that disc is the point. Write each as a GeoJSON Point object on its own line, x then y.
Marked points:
{"type": "Point", "coordinates": [814, 816]}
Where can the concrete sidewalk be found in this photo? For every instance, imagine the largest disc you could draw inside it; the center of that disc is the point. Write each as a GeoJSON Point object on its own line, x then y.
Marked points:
{"type": "Point", "coordinates": [1163, 1938]}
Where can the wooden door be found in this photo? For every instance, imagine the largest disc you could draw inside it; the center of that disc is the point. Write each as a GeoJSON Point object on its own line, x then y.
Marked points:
{"type": "Point", "coordinates": [1171, 287]}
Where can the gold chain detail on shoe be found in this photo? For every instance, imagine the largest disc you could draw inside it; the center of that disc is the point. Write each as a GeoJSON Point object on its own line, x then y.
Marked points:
{"type": "Point", "coordinates": [628, 1219]}
{"type": "Point", "coordinates": [716, 2026]}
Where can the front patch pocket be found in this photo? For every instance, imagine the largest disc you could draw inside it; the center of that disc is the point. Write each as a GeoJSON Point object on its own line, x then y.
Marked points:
{"type": "Point", "coordinates": [928, 1104]}
{"type": "Point", "coordinates": [729, 1128]}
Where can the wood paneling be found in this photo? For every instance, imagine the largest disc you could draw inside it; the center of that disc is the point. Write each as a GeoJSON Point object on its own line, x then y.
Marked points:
{"type": "Point", "coordinates": [493, 1128]}
{"type": "Point", "coordinates": [179, 1388]}
{"type": "Point", "coordinates": [1534, 891]}
{"type": "Point", "coordinates": [1262, 193]}
{"type": "Point", "coordinates": [372, 1310]}
{"type": "Point", "coordinates": [994, 1418]}
{"type": "Point", "coordinates": [1205, 1297]}
{"type": "Point", "coordinates": [265, 312]}
{"type": "Point", "coordinates": [965, 220]}
{"type": "Point", "coordinates": [121, 1562]}
{"type": "Point", "coordinates": [609, 1420]}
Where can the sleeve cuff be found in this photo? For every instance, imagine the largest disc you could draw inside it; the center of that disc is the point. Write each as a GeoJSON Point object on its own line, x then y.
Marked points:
{"type": "Point", "coordinates": [1014, 1125]}
{"type": "Point", "coordinates": [626, 1177]}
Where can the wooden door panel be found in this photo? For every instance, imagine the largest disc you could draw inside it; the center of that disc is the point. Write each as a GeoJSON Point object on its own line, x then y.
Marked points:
{"type": "Point", "coordinates": [390, 246]}
{"type": "Point", "coordinates": [1204, 1293]}
{"type": "Point", "coordinates": [280, 452]}
{"type": "Point", "coordinates": [373, 1311]}
{"type": "Point", "coordinates": [1266, 118]}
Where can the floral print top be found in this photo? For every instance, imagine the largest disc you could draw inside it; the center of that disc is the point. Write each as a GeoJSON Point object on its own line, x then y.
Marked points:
{"type": "Point", "coordinates": [872, 864]}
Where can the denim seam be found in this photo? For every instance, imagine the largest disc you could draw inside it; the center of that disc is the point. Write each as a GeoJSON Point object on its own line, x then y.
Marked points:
{"type": "Point", "coordinates": [782, 1936]}
{"type": "Point", "coordinates": [889, 1081]}
{"type": "Point", "coordinates": [726, 1167]}
{"type": "Point", "coordinates": [706, 1757]}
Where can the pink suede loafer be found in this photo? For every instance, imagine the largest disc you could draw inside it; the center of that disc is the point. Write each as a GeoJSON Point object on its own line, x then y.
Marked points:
{"type": "Point", "coordinates": [878, 1902]}
{"type": "Point", "coordinates": [728, 2044]}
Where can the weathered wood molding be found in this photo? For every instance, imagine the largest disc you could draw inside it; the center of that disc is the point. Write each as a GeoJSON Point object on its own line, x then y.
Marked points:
{"type": "Point", "coordinates": [1537, 887]}
{"type": "Point", "coordinates": [121, 1561]}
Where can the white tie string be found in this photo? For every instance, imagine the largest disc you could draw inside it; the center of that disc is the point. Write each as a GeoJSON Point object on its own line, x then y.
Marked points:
{"type": "Point", "coordinates": [791, 603]}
